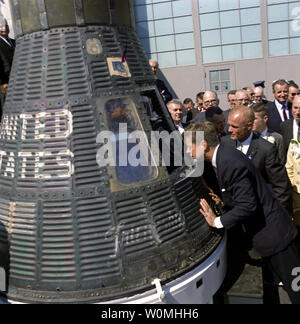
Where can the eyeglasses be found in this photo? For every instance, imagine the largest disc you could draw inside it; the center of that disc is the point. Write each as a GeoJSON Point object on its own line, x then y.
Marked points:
{"type": "Point", "coordinates": [242, 100]}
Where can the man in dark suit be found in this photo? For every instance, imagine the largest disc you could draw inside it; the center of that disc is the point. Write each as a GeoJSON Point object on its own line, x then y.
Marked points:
{"type": "Point", "coordinates": [279, 110]}
{"type": "Point", "coordinates": [7, 48]}
{"type": "Point", "coordinates": [261, 113]}
{"type": "Point", "coordinates": [250, 208]}
{"type": "Point", "coordinates": [216, 116]}
{"type": "Point", "coordinates": [162, 88]}
{"type": "Point", "coordinates": [290, 128]}
{"type": "Point", "coordinates": [263, 154]}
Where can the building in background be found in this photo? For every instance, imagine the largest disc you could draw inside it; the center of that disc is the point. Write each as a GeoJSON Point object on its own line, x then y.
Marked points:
{"type": "Point", "coordinates": [221, 44]}
{"type": "Point", "coordinates": [217, 44]}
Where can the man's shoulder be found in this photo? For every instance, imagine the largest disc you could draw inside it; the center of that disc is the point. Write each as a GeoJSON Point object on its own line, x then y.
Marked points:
{"type": "Point", "coordinates": [274, 134]}
{"type": "Point", "coordinates": [271, 106]}
{"type": "Point", "coordinates": [230, 159]}
{"type": "Point", "coordinates": [264, 147]}
{"type": "Point", "coordinates": [199, 117]}
{"type": "Point", "coordinates": [287, 123]}
{"type": "Point", "coordinates": [287, 126]}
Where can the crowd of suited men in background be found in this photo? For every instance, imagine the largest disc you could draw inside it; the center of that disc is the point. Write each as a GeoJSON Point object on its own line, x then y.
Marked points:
{"type": "Point", "coordinates": [251, 117]}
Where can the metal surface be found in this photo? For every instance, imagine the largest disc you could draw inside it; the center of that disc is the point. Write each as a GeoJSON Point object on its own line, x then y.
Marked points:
{"type": "Point", "coordinates": [75, 232]}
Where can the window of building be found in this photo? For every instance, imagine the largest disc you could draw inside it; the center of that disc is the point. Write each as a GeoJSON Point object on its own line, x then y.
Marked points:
{"type": "Point", "coordinates": [230, 30]}
{"type": "Point", "coordinates": [220, 80]}
{"type": "Point", "coordinates": [283, 27]}
{"type": "Point", "coordinates": [165, 29]}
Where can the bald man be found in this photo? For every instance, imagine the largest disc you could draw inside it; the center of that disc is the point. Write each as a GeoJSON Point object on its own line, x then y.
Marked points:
{"type": "Point", "coordinates": [210, 99]}
{"type": "Point", "coordinates": [162, 88]}
{"type": "Point", "coordinates": [242, 98]}
{"type": "Point", "coordinates": [264, 155]}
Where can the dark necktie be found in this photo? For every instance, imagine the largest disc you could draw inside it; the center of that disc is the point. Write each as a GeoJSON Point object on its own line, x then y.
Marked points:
{"type": "Point", "coordinates": [298, 136]}
{"type": "Point", "coordinates": [216, 171]}
{"type": "Point", "coordinates": [284, 113]}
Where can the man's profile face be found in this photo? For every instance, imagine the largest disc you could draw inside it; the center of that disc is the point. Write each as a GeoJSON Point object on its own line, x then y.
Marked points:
{"type": "Point", "coordinates": [220, 122]}
{"type": "Point", "coordinates": [239, 128]}
{"type": "Point", "coordinates": [260, 123]}
{"type": "Point", "coordinates": [197, 153]}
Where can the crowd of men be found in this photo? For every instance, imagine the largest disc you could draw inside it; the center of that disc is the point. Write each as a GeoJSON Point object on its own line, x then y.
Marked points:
{"type": "Point", "coordinates": [267, 133]}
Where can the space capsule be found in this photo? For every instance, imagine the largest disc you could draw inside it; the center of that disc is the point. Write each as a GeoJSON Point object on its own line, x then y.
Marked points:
{"type": "Point", "coordinates": [72, 230]}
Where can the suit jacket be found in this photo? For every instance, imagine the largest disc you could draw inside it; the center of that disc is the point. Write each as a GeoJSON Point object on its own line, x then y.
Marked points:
{"type": "Point", "coordinates": [249, 202]}
{"type": "Point", "coordinates": [274, 120]}
{"type": "Point", "coordinates": [293, 170]}
{"type": "Point", "coordinates": [278, 143]}
{"type": "Point", "coordinates": [264, 157]}
{"type": "Point", "coordinates": [164, 91]}
{"type": "Point", "coordinates": [201, 116]}
{"type": "Point", "coordinates": [6, 59]}
{"type": "Point", "coordinates": [287, 132]}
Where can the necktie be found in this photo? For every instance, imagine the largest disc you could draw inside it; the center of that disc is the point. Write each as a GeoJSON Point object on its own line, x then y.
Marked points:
{"type": "Point", "coordinates": [215, 169]}
{"type": "Point", "coordinates": [298, 131]}
{"type": "Point", "coordinates": [284, 113]}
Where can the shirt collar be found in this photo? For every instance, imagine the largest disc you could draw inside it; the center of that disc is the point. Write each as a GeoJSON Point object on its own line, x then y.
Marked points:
{"type": "Point", "coordinates": [214, 159]}
{"type": "Point", "coordinates": [265, 132]}
{"type": "Point", "coordinates": [279, 105]}
{"type": "Point", "coordinates": [247, 142]}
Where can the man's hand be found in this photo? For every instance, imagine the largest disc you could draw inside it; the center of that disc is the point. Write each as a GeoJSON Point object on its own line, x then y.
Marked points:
{"type": "Point", "coordinates": [207, 212]}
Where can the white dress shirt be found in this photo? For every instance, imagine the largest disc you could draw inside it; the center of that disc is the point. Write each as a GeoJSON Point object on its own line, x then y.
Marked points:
{"type": "Point", "coordinates": [279, 108]}
{"type": "Point", "coordinates": [244, 146]}
{"type": "Point", "coordinates": [180, 128]}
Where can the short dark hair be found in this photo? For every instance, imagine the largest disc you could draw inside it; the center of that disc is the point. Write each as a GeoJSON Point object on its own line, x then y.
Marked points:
{"type": "Point", "coordinates": [231, 92]}
{"type": "Point", "coordinates": [260, 108]}
{"type": "Point", "coordinates": [210, 132]}
{"type": "Point", "coordinates": [187, 100]}
{"type": "Point", "coordinates": [200, 95]}
{"type": "Point", "coordinates": [279, 82]}
{"type": "Point", "coordinates": [293, 84]}
{"type": "Point", "coordinates": [211, 111]}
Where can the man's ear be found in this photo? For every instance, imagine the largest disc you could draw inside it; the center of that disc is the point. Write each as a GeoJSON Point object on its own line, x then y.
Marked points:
{"type": "Point", "coordinates": [205, 146]}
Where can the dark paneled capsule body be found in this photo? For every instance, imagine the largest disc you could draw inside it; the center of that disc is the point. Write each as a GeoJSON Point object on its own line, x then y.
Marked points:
{"type": "Point", "coordinates": [77, 231]}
